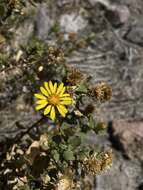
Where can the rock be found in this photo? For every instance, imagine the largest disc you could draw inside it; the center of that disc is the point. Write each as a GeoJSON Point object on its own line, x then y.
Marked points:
{"type": "Point", "coordinates": [72, 22]}
{"type": "Point", "coordinates": [135, 35]}
{"type": "Point", "coordinates": [62, 3]}
{"type": "Point", "coordinates": [103, 2]}
{"type": "Point", "coordinates": [43, 22]}
{"type": "Point", "coordinates": [116, 14]}
{"type": "Point", "coordinates": [23, 34]}
{"type": "Point", "coordinates": [123, 175]}
{"type": "Point", "coordinates": [129, 137]}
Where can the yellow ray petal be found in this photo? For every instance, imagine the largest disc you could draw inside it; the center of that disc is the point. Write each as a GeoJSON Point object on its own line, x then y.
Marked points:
{"type": "Point", "coordinates": [44, 91]}
{"type": "Point", "coordinates": [51, 87]}
{"type": "Point", "coordinates": [66, 99]}
{"type": "Point", "coordinates": [60, 88]}
{"type": "Point", "coordinates": [62, 91]}
{"type": "Point", "coordinates": [62, 110]}
{"type": "Point", "coordinates": [55, 87]}
{"type": "Point", "coordinates": [47, 110]}
{"type": "Point", "coordinates": [47, 87]}
{"type": "Point", "coordinates": [41, 106]}
{"type": "Point", "coordinates": [52, 113]}
{"type": "Point", "coordinates": [40, 96]}
{"type": "Point", "coordinates": [41, 102]}
{"type": "Point", "coordinates": [66, 102]}
{"type": "Point", "coordinates": [64, 95]}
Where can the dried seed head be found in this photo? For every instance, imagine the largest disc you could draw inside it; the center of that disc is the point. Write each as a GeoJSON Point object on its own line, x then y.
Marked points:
{"type": "Point", "coordinates": [74, 76]}
{"type": "Point", "coordinates": [102, 125]}
{"type": "Point", "coordinates": [102, 92]}
{"type": "Point", "coordinates": [64, 183]}
{"type": "Point", "coordinates": [89, 109]}
{"type": "Point", "coordinates": [72, 36]}
{"type": "Point", "coordinates": [107, 160]}
{"type": "Point", "coordinates": [94, 166]}
{"type": "Point", "coordinates": [82, 43]}
{"type": "Point", "coordinates": [55, 55]}
{"type": "Point", "coordinates": [13, 4]}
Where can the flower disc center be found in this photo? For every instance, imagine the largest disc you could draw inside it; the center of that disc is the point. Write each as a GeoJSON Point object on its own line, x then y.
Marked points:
{"type": "Point", "coordinates": [54, 100]}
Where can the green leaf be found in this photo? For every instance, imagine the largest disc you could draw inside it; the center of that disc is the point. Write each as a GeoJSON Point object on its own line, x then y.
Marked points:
{"type": "Point", "coordinates": [63, 146]}
{"type": "Point", "coordinates": [56, 155]}
{"type": "Point", "coordinates": [82, 88]}
{"type": "Point", "coordinates": [74, 141]}
{"type": "Point", "coordinates": [68, 155]}
{"type": "Point", "coordinates": [81, 135]}
{"type": "Point", "coordinates": [64, 126]}
{"type": "Point", "coordinates": [91, 122]}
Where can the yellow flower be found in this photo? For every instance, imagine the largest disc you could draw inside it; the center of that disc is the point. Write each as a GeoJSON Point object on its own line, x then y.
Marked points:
{"type": "Point", "coordinates": [53, 98]}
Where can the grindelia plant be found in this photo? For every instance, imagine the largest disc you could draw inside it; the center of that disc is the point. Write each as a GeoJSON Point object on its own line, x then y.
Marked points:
{"type": "Point", "coordinates": [62, 156]}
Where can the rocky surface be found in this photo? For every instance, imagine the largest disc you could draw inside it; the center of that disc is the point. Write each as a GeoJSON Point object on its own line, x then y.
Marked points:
{"type": "Point", "coordinates": [124, 174]}
{"type": "Point", "coordinates": [128, 136]}
{"type": "Point", "coordinates": [127, 170]}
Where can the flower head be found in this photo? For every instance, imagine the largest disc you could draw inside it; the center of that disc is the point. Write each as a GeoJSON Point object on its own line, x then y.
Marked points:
{"type": "Point", "coordinates": [102, 92]}
{"type": "Point", "coordinates": [55, 55]}
{"type": "Point", "coordinates": [94, 164]}
{"type": "Point", "coordinates": [53, 98]}
{"type": "Point", "coordinates": [74, 76]}
{"type": "Point", "coordinates": [65, 184]}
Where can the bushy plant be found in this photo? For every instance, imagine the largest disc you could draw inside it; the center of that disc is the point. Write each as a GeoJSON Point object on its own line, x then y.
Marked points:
{"type": "Point", "coordinates": [62, 155]}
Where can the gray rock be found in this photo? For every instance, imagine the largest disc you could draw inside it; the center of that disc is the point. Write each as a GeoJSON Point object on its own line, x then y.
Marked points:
{"type": "Point", "coordinates": [22, 34]}
{"type": "Point", "coordinates": [72, 22]}
{"type": "Point", "coordinates": [135, 35]}
{"type": "Point", "coordinates": [129, 137]}
{"type": "Point", "coordinates": [43, 22]}
{"type": "Point", "coordinates": [123, 175]}
{"type": "Point", "coordinates": [116, 14]}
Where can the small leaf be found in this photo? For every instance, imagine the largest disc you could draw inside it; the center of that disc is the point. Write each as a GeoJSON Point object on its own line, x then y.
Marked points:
{"type": "Point", "coordinates": [56, 155]}
{"type": "Point", "coordinates": [64, 126]}
{"type": "Point", "coordinates": [91, 122]}
{"type": "Point", "coordinates": [74, 141]}
{"type": "Point", "coordinates": [82, 88]}
{"type": "Point", "coordinates": [68, 155]}
{"type": "Point", "coordinates": [63, 146]}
